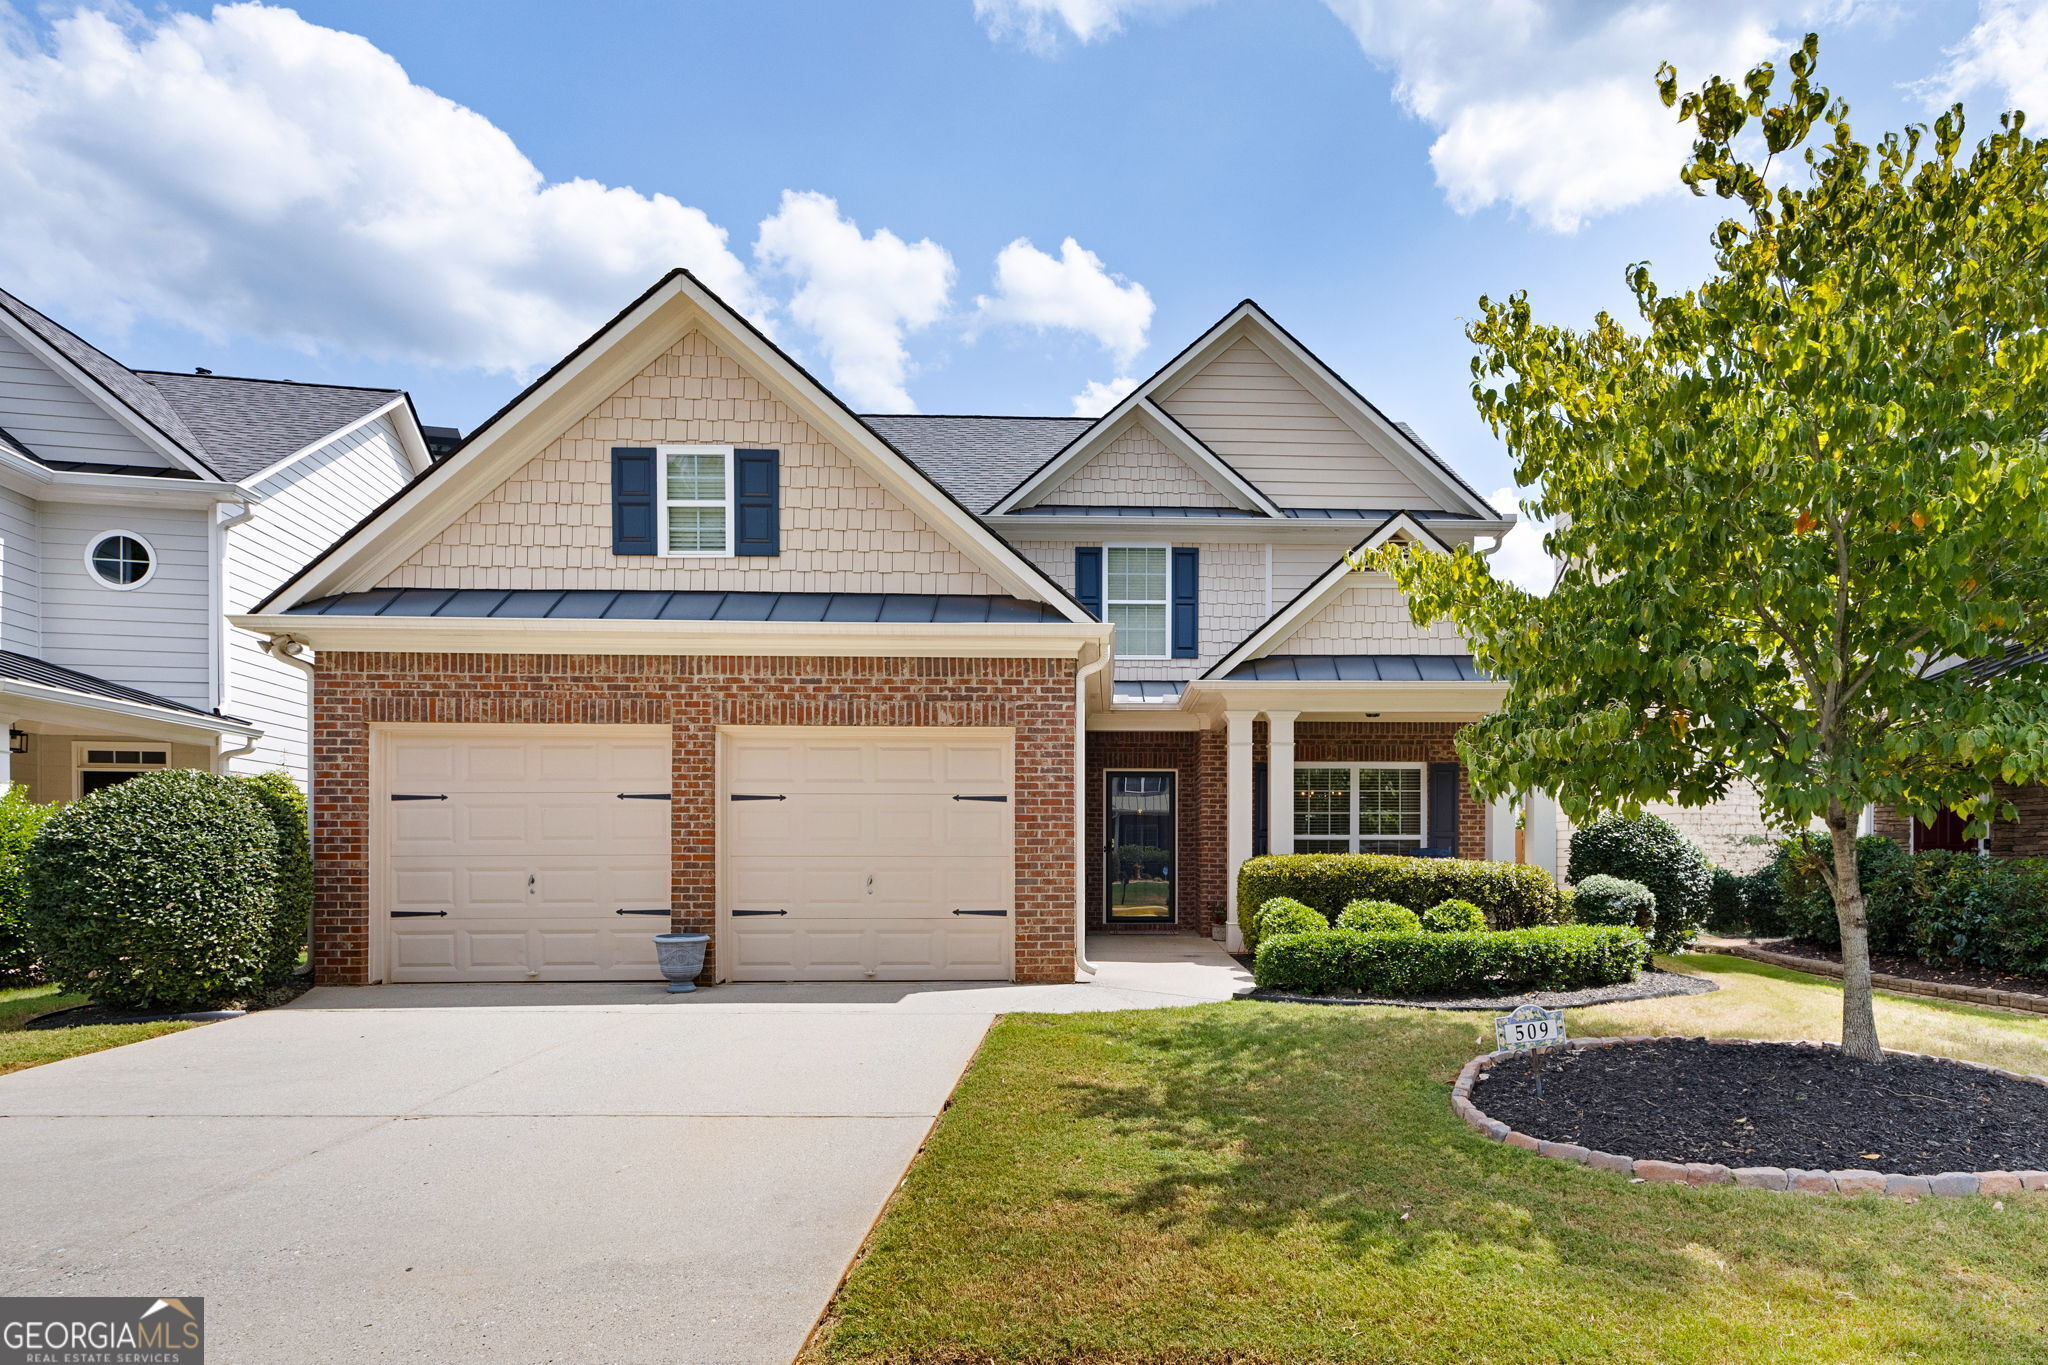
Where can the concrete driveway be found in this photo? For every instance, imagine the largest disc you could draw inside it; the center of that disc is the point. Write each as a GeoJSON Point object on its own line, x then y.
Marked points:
{"type": "Point", "coordinates": [510, 1173]}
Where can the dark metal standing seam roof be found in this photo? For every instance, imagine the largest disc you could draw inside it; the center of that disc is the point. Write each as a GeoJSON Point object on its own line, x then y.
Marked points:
{"type": "Point", "coordinates": [250, 424]}
{"type": "Point", "coordinates": [654, 605]}
{"type": "Point", "coordinates": [977, 459]}
{"type": "Point", "coordinates": [29, 669]}
{"type": "Point", "coordinates": [1359, 668]}
{"type": "Point", "coordinates": [2012, 660]}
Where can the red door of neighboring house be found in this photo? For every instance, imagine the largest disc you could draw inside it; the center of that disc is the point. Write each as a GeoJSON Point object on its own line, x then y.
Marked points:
{"type": "Point", "coordinates": [1946, 832]}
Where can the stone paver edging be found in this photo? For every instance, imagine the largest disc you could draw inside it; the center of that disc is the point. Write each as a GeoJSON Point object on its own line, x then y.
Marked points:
{"type": "Point", "coordinates": [1947, 1184]}
{"type": "Point", "coordinates": [1885, 981]}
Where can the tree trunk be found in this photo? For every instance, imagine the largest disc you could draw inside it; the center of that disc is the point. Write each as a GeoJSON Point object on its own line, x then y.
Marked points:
{"type": "Point", "coordinates": [1859, 1022]}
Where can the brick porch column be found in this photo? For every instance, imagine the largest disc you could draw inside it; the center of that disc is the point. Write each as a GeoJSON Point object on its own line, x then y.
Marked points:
{"type": "Point", "coordinates": [1280, 781]}
{"type": "Point", "coordinates": [1237, 729]}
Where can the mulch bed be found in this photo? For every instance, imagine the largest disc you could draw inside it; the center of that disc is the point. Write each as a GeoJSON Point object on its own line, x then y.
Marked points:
{"type": "Point", "coordinates": [1650, 985]}
{"type": "Point", "coordinates": [1772, 1104]}
{"type": "Point", "coordinates": [1912, 968]}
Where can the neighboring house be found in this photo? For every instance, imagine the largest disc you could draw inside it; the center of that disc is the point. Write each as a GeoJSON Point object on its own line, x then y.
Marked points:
{"type": "Point", "coordinates": [677, 637]}
{"type": "Point", "coordinates": [136, 510]}
{"type": "Point", "coordinates": [2023, 837]}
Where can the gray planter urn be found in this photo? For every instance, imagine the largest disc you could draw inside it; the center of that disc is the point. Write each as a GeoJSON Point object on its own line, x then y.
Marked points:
{"type": "Point", "coordinates": [682, 957]}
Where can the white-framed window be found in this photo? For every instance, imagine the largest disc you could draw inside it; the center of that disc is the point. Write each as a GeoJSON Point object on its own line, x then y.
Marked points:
{"type": "Point", "coordinates": [1137, 593]}
{"type": "Point", "coordinates": [1359, 808]}
{"type": "Point", "coordinates": [696, 500]}
{"type": "Point", "coordinates": [121, 560]}
{"type": "Point", "coordinates": [107, 762]}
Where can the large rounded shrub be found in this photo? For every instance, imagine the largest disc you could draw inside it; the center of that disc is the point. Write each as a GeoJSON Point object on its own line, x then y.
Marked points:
{"type": "Point", "coordinates": [157, 893]}
{"type": "Point", "coordinates": [285, 807]}
{"type": "Point", "coordinates": [1649, 850]}
{"type": "Point", "coordinates": [20, 818]}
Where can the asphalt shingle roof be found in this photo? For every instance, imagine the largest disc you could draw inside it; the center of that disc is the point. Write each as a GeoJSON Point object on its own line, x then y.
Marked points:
{"type": "Point", "coordinates": [978, 459]}
{"type": "Point", "coordinates": [248, 425]}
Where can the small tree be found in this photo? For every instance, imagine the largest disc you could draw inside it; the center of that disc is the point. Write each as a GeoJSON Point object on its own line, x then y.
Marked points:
{"type": "Point", "coordinates": [1787, 500]}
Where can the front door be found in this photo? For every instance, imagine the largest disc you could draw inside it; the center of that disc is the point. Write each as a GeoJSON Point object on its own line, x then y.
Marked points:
{"type": "Point", "coordinates": [1140, 853]}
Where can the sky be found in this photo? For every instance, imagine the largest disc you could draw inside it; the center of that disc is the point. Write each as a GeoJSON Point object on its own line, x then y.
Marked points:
{"type": "Point", "coordinates": [992, 206]}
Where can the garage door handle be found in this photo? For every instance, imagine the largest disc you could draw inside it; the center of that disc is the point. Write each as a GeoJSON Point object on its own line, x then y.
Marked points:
{"type": "Point", "coordinates": [981, 798]}
{"type": "Point", "coordinates": [646, 796]}
{"type": "Point", "coordinates": [419, 914]}
{"type": "Point", "coordinates": [640, 912]}
{"type": "Point", "coordinates": [760, 912]}
{"type": "Point", "coordinates": [408, 796]}
{"type": "Point", "coordinates": [1000, 913]}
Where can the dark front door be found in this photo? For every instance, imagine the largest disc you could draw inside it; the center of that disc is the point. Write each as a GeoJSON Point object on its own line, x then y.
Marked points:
{"type": "Point", "coordinates": [1945, 833]}
{"type": "Point", "coordinates": [1139, 869]}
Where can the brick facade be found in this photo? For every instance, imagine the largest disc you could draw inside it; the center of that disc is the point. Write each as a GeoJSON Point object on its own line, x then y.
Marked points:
{"type": "Point", "coordinates": [1391, 742]}
{"type": "Point", "coordinates": [2026, 837]}
{"type": "Point", "coordinates": [354, 691]}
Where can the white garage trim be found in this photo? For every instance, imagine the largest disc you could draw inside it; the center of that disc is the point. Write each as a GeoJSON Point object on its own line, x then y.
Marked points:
{"type": "Point", "coordinates": [977, 884]}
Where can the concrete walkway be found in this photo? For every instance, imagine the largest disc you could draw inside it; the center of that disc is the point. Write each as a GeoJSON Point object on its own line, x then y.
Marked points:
{"type": "Point", "coordinates": [511, 1172]}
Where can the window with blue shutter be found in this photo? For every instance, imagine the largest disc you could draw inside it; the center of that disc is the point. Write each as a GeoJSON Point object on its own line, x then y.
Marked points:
{"type": "Point", "coordinates": [1088, 579]}
{"type": "Point", "coordinates": [757, 502]}
{"type": "Point", "coordinates": [636, 503]}
{"type": "Point", "coordinates": [1443, 807]}
{"type": "Point", "coordinates": [1187, 599]}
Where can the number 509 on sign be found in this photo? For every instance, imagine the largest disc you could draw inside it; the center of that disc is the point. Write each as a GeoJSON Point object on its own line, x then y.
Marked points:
{"type": "Point", "coordinates": [1529, 1026]}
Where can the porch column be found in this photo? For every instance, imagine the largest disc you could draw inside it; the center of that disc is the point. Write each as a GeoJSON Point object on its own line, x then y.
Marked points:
{"type": "Point", "coordinates": [1280, 781]}
{"type": "Point", "coordinates": [1237, 843]}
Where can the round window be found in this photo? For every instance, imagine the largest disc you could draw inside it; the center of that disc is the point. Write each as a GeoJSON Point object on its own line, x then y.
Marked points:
{"type": "Point", "coordinates": [121, 560]}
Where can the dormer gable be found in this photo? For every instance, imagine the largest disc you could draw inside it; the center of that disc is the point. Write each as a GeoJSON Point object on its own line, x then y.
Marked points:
{"type": "Point", "coordinates": [1144, 458]}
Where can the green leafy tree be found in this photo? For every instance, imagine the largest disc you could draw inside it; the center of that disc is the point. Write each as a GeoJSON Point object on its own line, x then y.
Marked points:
{"type": "Point", "coordinates": [1786, 499]}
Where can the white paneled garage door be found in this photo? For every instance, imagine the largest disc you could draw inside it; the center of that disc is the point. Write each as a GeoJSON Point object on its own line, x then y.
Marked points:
{"type": "Point", "coordinates": [509, 851]}
{"type": "Point", "coordinates": [867, 854]}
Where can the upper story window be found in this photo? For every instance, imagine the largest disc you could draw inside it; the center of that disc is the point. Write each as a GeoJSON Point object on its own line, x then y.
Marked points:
{"type": "Point", "coordinates": [1358, 808]}
{"type": "Point", "coordinates": [1136, 592]}
{"type": "Point", "coordinates": [696, 500]}
{"type": "Point", "coordinates": [120, 559]}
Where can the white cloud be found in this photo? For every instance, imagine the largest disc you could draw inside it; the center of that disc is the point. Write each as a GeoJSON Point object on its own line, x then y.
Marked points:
{"type": "Point", "coordinates": [858, 295]}
{"type": "Point", "coordinates": [2006, 52]}
{"type": "Point", "coordinates": [250, 172]}
{"type": "Point", "coordinates": [1099, 397]}
{"type": "Point", "coordinates": [1037, 24]}
{"type": "Point", "coordinates": [1072, 292]}
{"type": "Point", "coordinates": [1521, 558]}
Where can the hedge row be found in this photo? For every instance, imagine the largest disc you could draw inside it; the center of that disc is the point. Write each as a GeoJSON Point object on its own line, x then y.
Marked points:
{"type": "Point", "coordinates": [1348, 962]}
{"type": "Point", "coordinates": [1512, 895]}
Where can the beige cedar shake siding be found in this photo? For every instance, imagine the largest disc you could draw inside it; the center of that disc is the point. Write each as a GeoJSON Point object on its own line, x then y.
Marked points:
{"type": "Point", "coordinates": [1369, 616]}
{"type": "Point", "coordinates": [1282, 439]}
{"type": "Point", "coordinates": [549, 524]}
{"type": "Point", "coordinates": [693, 695]}
{"type": "Point", "coordinates": [1134, 470]}
{"type": "Point", "coordinates": [1233, 594]}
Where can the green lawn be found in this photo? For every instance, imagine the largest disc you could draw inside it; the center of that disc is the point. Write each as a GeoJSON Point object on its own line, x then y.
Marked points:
{"type": "Point", "coordinates": [20, 1048]}
{"type": "Point", "coordinates": [1249, 1182]}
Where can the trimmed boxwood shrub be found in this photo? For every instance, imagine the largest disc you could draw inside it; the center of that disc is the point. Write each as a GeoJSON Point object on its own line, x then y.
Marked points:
{"type": "Point", "coordinates": [1649, 850]}
{"type": "Point", "coordinates": [284, 805]}
{"type": "Point", "coordinates": [1379, 917]}
{"type": "Point", "coordinates": [1512, 895]}
{"type": "Point", "coordinates": [157, 893]}
{"type": "Point", "coordinates": [1615, 900]}
{"type": "Point", "coordinates": [1727, 901]}
{"type": "Point", "coordinates": [20, 818]}
{"type": "Point", "coordinates": [1347, 962]}
{"type": "Point", "coordinates": [1453, 917]}
{"type": "Point", "coordinates": [1282, 916]}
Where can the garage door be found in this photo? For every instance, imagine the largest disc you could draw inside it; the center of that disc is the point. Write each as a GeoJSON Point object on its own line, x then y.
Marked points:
{"type": "Point", "coordinates": [861, 854]}
{"type": "Point", "coordinates": [525, 853]}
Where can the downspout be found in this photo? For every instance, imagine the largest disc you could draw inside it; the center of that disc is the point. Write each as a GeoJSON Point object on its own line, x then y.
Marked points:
{"type": "Point", "coordinates": [282, 649]}
{"type": "Point", "coordinates": [1087, 671]}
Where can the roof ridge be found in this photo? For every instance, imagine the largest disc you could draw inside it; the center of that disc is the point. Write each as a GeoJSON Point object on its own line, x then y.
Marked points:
{"type": "Point", "coordinates": [258, 379]}
{"type": "Point", "coordinates": [976, 416]}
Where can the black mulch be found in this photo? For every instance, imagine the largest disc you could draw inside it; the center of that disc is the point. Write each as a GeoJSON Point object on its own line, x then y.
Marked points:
{"type": "Point", "coordinates": [1913, 969]}
{"type": "Point", "coordinates": [1771, 1104]}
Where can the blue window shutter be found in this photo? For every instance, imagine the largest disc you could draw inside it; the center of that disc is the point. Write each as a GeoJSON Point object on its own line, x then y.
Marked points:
{"type": "Point", "coordinates": [1088, 579]}
{"type": "Point", "coordinates": [757, 502]}
{"type": "Point", "coordinates": [1262, 842]}
{"type": "Point", "coordinates": [1187, 602]}
{"type": "Point", "coordinates": [636, 476]}
{"type": "Point", "coordinates": [1443, 806]}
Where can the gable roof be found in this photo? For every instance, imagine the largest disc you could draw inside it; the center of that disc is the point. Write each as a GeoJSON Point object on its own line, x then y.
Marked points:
{"type": "Point", "coordinates": [670, 308]}
{"type": "Point", "coordinates": [248, 425]}
{"type": "Point", "coordinates": [1184, 444]}
{"type": "Point", "coordinates": [1320, 593]}
{"type": "Point", "coordinates": [977, 459]}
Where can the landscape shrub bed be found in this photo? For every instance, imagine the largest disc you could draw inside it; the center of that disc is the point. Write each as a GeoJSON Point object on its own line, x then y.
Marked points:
{"type": "Point", "coordinates": [1649, 850]}
{"type": "Point", "coordinates": [1351, 962]}
{"type": "Point", "coordinates": [1511, 895]}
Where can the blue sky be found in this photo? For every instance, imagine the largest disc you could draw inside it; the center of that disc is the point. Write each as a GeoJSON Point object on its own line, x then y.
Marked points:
{"type": "Point", "coordinates": [382, 193]}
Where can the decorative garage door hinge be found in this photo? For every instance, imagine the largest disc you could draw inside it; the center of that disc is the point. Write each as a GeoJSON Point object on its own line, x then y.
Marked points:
{"type": "Point", "coordinates": [419, 914]}
{"type": "Point", "coordinates": [760, 912]}
{"type": "Point", "coordinates": [1001, 914]}
{"type": "Point", "coordinates": [646, 796]}
{"type": "Point", "coordinates": [736, 796]}
{"type": "Point", "coordinates": [662, 911]}
{"type": "Point", "coordinates": [410, 796]}
{"type": "Point", "coordinates": [981, 798]}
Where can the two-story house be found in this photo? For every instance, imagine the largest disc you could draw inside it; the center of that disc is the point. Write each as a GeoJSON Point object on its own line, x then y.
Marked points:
{"type": "Point", "coordinates": [677, 638]}
{"type": "Point", "coordinates": [137, 509]}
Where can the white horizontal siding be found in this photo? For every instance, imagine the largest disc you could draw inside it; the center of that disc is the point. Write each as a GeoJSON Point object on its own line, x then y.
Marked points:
{"type": "Point", "coordinates": [304, 509]}
{"type": "Point", "coordinates": [1279, 436]}
{"type": "Point", "coordinates": [55, 419]}
{"type": "Point", "coordinates": [21, 575]}
{"type": "Point", "coordinates": [156, 637]}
